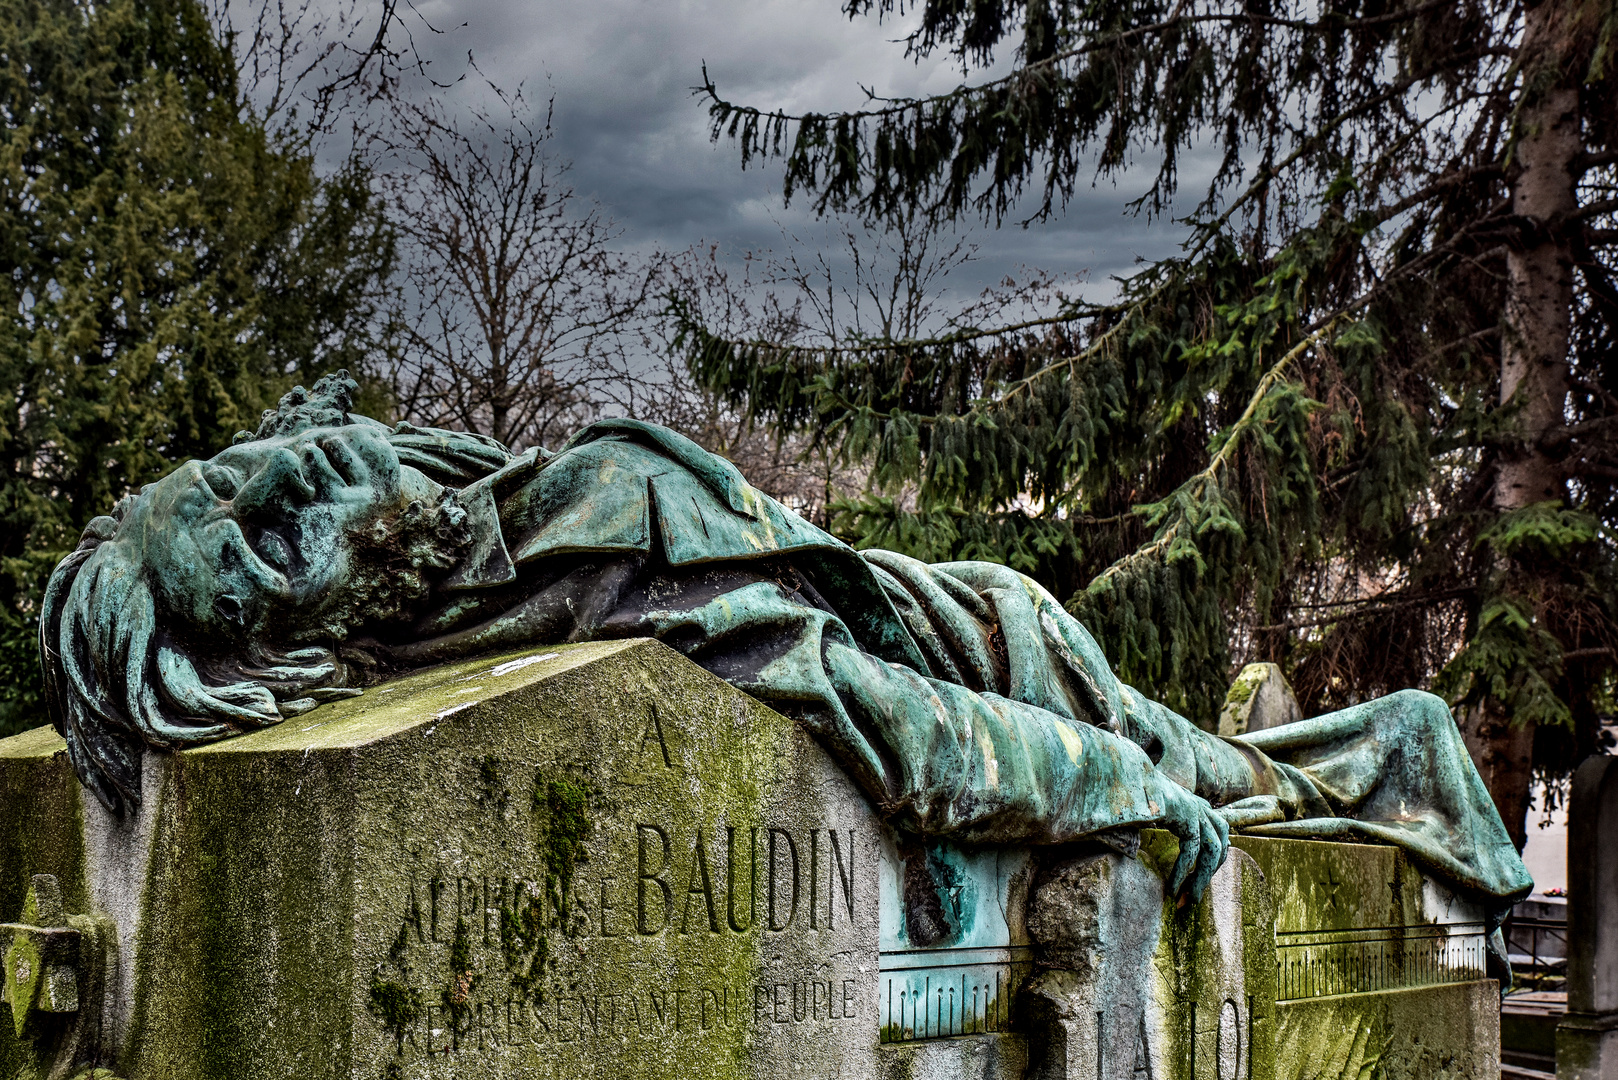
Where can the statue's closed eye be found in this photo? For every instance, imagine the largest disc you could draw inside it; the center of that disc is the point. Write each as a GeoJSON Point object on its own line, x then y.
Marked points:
{"type": "Point", "coordinates": [229, 609]}
{"type": "Point", "coordinates": [223, 481]}
{"type": "Point", "coordinates": [273, 548]}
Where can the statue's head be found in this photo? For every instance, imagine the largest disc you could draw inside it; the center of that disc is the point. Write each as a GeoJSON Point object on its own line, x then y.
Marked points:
{"type": "Point", "coordinates": [222, 597]}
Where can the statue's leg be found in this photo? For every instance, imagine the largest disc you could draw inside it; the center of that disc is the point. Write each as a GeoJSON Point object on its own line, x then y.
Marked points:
{"type": "Point", "coordinates": [1046, 648]}
{"type": "Point", "coordinates": [1223, 771]}
{"type": "Point", "coordinates": [1393, 770]}
{"type": "Point", "coordinates": [1377, 759]}
{"type": "Point", "coordinates": [1396, 770]}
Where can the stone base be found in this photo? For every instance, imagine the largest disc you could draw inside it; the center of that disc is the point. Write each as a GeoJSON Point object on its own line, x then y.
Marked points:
{"type": "Point", "coordinates": [1306, 960]}
{"type": "Point", "coordinates": [600, 860]}
{"type": "Point", "coordinates": [964, 1057]}
{"type": "Point", "coordinates": [1587, 1047]}
{"type": "Point", "coordinates": [1136, 986]}
{"type": "Point", "coordinates": [1425, 1033]}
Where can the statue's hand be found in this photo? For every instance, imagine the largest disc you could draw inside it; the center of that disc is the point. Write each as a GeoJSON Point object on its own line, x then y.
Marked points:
{"type": "Point", "coordinates": [304, 678]}
{"type": "Point", "coordinates": [1204, 838]}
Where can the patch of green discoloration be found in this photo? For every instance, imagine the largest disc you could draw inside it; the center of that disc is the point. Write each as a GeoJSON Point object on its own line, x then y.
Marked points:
{"type": "Point", "coordinates": [248, 909]}
{"type": "Point", "coordinates": [561, 805]}
{"type": "Point", "coordinates": [1234, 970]}
{"type": "Point", "coordinates": [494, 791]}
{"type": "Point", "coordinates": [1242, 690]}
{"type": "Point", "coordinates": [1427, 1032]}
{"type": "Point", "coordinates": [1159, 849]}
{"type": "Point", "coordinates": [392, 1000]}
{"type": "Point", "coordinates": [396, 1005]}
{"type": "Point", "coordinates": [1335, 886]}
{"type": "Point", "coordinates": [464, 980]}
{"type": "Point", "coordinates": [1430, 1033]}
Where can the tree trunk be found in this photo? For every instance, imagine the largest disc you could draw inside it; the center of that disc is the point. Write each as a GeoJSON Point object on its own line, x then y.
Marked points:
{"type": "Point", "coordinates": [1534, 354]}
{"type": "Point", "coordinates": [1539, 301]}
{"type": "Point", "coordinates": [1503, 751]}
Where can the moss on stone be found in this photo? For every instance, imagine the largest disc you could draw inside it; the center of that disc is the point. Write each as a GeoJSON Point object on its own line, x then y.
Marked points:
{"type": "Point", "coordinates": [317, 889]}
{"type": "Point", "coordinates": [1243, 689]}
{"type": "Point", "coordinates": [1337, 886]}
{"type": "Point", "coordinates": [495, 794]}
{"type": "Point", "coordinates": [396, 1005]}
{"type": "Point", "coordinates": [1428, 1033]}
{"type": "Point", "coordinates": [41, 832]}
{"type": "Point", "coordinates": [246, 907]}
{"type": "Point", "coordinates": [464, 979]}
{"type": "Point", "coordinates": [561, 805]}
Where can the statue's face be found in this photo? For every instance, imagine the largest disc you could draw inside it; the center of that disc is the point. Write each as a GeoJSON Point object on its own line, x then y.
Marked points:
{"type": "Point", "coordinates": [255, 539]}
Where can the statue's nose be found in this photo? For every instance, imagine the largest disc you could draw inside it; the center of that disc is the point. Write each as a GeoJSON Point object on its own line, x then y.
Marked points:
{"type": "Point", "coordinates": [280, 478]}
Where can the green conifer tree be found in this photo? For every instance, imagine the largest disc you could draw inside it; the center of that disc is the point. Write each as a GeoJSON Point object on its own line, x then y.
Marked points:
{"type": "Point", "coordinates": [1365, 425]}
{"type": "Point", "coordinates": [168, 268]}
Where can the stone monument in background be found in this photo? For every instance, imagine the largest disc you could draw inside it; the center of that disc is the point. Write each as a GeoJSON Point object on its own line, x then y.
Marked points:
{"type": "Point", "coordinates": [1259, 699]}
{"type": "Point", "coordinates": [382, 752]}
{"type": "Point", "coordinates": [1587, 1039]}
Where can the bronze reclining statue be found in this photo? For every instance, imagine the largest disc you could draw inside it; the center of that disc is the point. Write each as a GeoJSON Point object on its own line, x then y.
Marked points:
{"type": "Point", "coordinates": [327, 551]}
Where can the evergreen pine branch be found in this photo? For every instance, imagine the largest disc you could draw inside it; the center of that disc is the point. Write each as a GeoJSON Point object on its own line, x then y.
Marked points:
{"type": "Point", "coordinates": [1196, 487]}
{"type": "Point", "coordinates": [1147, 462]}
{"type": "Point", "coordinates": [940, 141]}
{"type": "Point", "coordinates": [725, 111]}
{"type": "Point", "coordinates": [710, 353]}
{"type": "Point", "coordinates": [679, 310]}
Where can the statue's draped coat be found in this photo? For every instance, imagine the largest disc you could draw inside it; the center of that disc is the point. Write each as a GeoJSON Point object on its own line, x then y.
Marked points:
{"type": "Point", "coordinates": [961, 697]}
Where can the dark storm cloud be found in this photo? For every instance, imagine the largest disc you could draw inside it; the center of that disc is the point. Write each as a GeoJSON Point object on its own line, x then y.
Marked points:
{"type": "Point", "coordinates": [621, 72]}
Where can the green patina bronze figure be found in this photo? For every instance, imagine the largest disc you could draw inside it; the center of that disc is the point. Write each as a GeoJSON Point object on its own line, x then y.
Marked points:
{"type": "Point", "coordinates": [326, 551]}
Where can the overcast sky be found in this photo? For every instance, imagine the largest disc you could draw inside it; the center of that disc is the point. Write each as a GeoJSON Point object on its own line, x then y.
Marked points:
{"type": "Point", "coordinates": [621, 73]}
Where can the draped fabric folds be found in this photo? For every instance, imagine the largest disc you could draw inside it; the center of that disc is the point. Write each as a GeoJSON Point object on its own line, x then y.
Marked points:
{"type": "Point", "coordinates": [961, 697]}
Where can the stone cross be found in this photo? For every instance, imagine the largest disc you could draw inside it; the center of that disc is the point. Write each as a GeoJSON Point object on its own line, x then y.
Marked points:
{"type": "Point", "coordinates": [39, 959]}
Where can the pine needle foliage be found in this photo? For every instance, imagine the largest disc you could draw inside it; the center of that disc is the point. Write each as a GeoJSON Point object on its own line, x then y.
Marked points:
{"type": "Point", "coordinates": [1288, 441]}
{"type": "Point", "coordinates": [168, 266]}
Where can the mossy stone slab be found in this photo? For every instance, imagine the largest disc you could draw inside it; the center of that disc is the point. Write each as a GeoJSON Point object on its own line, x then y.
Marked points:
{"type": "Point", "coordinates": [600, 860]}
{"type": "Point", "coordinates": [1380, 970]}
{"type": "Point", "coordinates": [39, 834]}
{"type": "Point", "coordinates": [1439, 1032]}
{"type": "Point", "coordinates": [587, 860]}
{"type": "Point", "coordinates": [1133, 984]}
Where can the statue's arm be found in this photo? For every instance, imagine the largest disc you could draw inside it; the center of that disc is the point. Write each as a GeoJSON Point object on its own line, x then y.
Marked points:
{"type": "Point", "coordinates": [982, 768]}
{"type": "Point", "coordinates": [937, 758]}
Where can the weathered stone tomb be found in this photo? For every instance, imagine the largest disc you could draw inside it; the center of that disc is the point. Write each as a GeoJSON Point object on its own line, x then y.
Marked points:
{"type": "Point", "coordinates": [600, 860]}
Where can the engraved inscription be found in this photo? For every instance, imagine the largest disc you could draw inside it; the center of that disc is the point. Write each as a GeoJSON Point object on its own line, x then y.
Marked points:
{"type": "Point", "coordinates": [573, 1015]}
{"type": "Point", "coordinates": [1320, 963]}
{"type": "Point", "coordinates": [654, 734]}
{"type": "Point", "coordinates": [678, 881]}
{"type": "Point", "coordinates": [501, 958]}
{"type": "Point", "coordinates": [649, 873]}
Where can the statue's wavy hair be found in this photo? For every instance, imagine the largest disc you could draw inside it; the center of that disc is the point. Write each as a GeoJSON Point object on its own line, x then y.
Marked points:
{"type": "Point", "coordinates": [117, 681]}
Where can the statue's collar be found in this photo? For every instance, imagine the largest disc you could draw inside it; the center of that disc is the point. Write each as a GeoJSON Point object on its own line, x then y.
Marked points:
{"type": "Point", "coordinates": [486, 563]}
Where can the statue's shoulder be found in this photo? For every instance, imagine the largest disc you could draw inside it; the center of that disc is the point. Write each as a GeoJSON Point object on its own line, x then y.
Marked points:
{"type": "Point", "coordinates": [625, 485]}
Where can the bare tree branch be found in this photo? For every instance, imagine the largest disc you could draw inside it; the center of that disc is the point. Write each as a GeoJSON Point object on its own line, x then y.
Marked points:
{"type": "Point", "coordinates": [517, 312]}
{"type": "Point", "coordinates": [307, 65]}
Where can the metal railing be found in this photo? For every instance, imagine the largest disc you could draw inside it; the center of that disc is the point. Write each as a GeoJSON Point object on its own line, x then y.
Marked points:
{"type": "Point", "coordinates": [1537, 945]}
